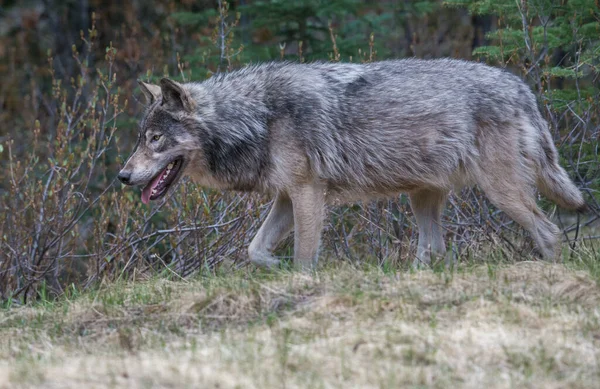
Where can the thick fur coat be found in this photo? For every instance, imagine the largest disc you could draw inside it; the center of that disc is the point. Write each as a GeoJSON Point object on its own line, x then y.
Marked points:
{"type": "Point", "coordinates": [336, 132]}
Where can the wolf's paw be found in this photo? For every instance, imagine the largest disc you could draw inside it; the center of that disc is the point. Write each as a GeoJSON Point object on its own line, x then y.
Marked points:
{"type": "Point", "coordinates": [266, 261]}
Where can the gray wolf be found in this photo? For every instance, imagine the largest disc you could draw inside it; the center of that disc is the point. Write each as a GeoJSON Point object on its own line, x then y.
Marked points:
{"type": "Point", "coordinates": [312, 134]}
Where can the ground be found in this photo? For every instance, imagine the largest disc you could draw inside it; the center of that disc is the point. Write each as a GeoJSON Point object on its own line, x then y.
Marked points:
{"type": "Point", "coordinates": [526, 324]}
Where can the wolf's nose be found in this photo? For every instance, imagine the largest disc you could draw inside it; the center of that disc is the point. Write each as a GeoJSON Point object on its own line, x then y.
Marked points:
{"type": "Point", "coordinates": [124, 177]}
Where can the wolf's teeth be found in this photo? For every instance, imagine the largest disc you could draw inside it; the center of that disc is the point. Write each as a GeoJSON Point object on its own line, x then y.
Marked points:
{"type": "Point", "coordinates": [170, 166]}
{"type": "Point", "coordinates": [153, 191]}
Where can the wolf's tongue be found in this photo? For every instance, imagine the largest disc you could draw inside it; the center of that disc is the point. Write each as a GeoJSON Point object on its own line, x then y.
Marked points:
{"type": "Point", "coordinates": [147, 192]}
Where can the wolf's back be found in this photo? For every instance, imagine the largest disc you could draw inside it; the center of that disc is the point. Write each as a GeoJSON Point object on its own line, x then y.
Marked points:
{"type": "Point", "coordinates": [382, 127]}
{"type": "Point", "coordinates": [395, 125]}
{"type": "Point", "coordinates": [415, 122]}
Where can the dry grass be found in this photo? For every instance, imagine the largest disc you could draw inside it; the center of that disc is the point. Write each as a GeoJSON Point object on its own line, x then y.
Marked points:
{"type": "Point", "coordinates": [528, 324]}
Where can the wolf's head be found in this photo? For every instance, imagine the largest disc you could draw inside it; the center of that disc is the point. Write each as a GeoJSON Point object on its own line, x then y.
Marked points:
{"type": "Point", "coordinates": [165, 146]}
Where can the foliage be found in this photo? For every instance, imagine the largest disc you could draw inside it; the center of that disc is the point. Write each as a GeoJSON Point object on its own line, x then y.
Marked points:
{"type": "Point", "coordinates": [300, 30]}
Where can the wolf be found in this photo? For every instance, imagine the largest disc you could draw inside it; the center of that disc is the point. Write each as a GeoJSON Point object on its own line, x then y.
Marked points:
{"type": "Point", "coordinates": [319, 133]}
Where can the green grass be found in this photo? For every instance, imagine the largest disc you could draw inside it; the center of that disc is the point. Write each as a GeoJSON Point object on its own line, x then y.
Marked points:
{"type": "Point", "coordinates": [526, 324]}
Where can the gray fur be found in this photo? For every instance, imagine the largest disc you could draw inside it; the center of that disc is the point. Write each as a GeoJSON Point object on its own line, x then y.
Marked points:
{"type": "Point", "coordinates": [338, 132]}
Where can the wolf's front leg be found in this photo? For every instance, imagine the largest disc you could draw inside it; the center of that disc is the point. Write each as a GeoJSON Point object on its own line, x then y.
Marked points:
{"type": "Point", "coordinates": [428, 205]}
{"type": "Point", "coordinates": [277, 226]}
{"type": "Point", "coordinates": [309, 208]}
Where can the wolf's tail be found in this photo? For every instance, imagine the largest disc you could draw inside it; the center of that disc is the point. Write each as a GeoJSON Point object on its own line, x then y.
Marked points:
{"type": "Point", "coordinates": [553, 181]}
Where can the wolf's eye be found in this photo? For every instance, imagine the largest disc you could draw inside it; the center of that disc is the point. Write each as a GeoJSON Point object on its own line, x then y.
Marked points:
{"type": "Point", "coordinates": [155, 138]}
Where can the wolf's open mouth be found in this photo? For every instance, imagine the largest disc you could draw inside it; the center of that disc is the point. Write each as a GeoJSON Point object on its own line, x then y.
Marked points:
{"type": "Point", "coordinates": [160, 184]}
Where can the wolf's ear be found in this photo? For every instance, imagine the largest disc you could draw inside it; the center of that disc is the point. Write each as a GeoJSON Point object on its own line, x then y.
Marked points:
{"type": "Point", "coordinates": [175, 96]}
{"type": "Point", "coordinates": [151, 91]}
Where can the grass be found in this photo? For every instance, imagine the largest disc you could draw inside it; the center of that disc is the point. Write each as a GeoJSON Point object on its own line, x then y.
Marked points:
{"type": "Point", "coordinates": [527, 324]}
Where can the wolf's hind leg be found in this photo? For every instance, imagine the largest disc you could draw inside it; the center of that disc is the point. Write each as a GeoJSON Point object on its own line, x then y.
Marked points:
{"type": "Point", "coordinates": [428, 205]}
{"type": "Point", "coordinates": [309, 207]}
{"type": "Point", "coordinates": [509, 184]}
{"type": "Point", "coordinates": [278, 225]}
{"type": "Point", "coordinates": [519, 203]}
